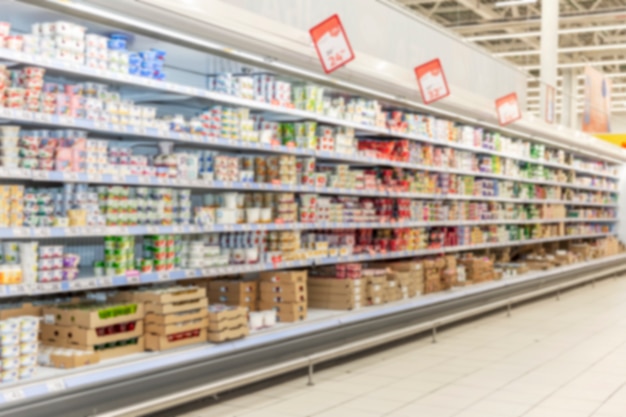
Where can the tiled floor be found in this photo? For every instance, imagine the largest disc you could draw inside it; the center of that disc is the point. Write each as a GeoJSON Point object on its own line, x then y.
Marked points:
{"type": "Point", "coordinates": [552, 358]}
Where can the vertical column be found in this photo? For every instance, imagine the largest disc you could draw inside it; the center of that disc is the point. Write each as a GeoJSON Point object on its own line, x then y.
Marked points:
{"type": "Point", "coordinates": [549, 49]}
{"type": "Point", "coordinates": [569, 113]}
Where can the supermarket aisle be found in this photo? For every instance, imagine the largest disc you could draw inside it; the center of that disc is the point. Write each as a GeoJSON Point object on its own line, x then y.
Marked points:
{"type": "Point", "coordinates": [550, 359]}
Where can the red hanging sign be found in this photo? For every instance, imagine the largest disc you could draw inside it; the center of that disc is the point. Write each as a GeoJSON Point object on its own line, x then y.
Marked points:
{"type": "Point", "coordinates": [332, 44]}
{"type": "Point", "coordinates": [508, 110]}
{"type": "Point", "coordinates": [432, 81]}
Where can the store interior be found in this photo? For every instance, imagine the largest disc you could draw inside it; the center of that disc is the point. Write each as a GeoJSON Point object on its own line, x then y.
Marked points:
{"type": "Point", "coordinates": [163, 206]}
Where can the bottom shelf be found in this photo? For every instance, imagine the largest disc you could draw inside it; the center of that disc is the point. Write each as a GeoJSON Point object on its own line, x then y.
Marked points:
{"type": "Point", "coordinates": [55, 381]}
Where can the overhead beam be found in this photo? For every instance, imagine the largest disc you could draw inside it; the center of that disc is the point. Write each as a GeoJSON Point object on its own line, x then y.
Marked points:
{"type": "Point", "coordinates": [616, 15]}
{"type": "Point", "coordinates": [568, 50]}
{"type": "Point", "coordinates": [536, 34]}
{"type": "Point", "coordinates": [580, 64]}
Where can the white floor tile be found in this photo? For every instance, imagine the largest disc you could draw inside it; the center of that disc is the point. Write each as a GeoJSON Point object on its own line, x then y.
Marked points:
{"type": "Point", "coordinates": [550, 359]}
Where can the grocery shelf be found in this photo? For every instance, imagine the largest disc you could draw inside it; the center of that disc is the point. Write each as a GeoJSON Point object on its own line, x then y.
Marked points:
{"type": "Point", "coordinates": [100, 231]}
{"type": "Point", "coordinates": [16, 174]}
{"type": "Point", "coordinates": [88, 283]}
{"type": "Point", "coordinates": [126, 79]}
{"type": "Point", "coordinates": [142, 132]}
{"type": "Point", "coordinates": [107, 385]}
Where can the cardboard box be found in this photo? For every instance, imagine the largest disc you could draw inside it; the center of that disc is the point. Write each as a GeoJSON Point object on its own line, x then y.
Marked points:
{"type": "Point", "coordinates": [178, 307]}
{"type": "Point", "coordinates": [9, 311]}
{"type": "Point", "coordinates": [155, 342]}
{"type": "Point", "coordinates": [165, 319]}
{"type": "Point", "coordinates": [293, 277]}
{"type": "Point", "coordinates": [283, 292]}
{"type": "Point", "coordinates": [123, 350]}
{"type": "Point", "coordinates": [70, 315]}
{"type": "Point", "coordinates": [286, 312]}
{"type": "Point", "coordinates": [73, 361]}
{"type": "Point", "coordinates": [226, 335]}
{"type": "Point", "coordinates": [336, 304]}
{"type": "Point", "coordinates": [170, 297]}
{"type": "Point", "coordinates": [74, 336]}
{"type": "Point", "coordinates": [333, 284]}
{"type": "Point", "coordinates": [231, 292]}
{"type": "Point", "coordinates": [168, 329]}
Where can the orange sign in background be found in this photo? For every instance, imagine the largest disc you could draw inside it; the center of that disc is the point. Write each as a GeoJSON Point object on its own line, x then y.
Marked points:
{"type": "Point", "coordinates": [432, 81]}
{"type": "Point", "coordinates": [597, 110]}
{"type": "Point", "coordinates": [332, 44]}
{"type": "Point", "coordinates": [508, 110]}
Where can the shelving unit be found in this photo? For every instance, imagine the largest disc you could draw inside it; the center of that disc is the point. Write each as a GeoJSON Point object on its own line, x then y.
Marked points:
{"type": "Point", "coordinates": [56, 381]}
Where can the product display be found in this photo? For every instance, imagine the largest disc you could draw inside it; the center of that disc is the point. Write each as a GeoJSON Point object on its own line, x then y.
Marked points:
{"type": "Point", "coordinates": [175, 316]}
{"type": "Point", "coordinates": [230, 205]}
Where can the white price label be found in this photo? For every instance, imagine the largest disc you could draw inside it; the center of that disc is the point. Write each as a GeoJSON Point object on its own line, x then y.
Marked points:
{"type": "Point", "coordinates": [40, 175]}
{"type": "Point", "coordinates": [55, 385]}
{"type": "Point", "coordinates": [91, 283]}
{"type": "Point", "coordinates": [332, 44]}
{"type": "Point", "coordinates": [135, 279]}
{"type": "Point", "coordinates": [206, 271]}
{"type": "Point", "coordinates": [164, 276]}
{"type": "Point", "coordinates": [432, 81]}
{"type": "Point", "coordinates": [76, 285]}
{"type": "Point", "coordinates": [43, 232]}
{"type": "Point", "coordinates": [13, 395]}
{"type": "Point", "coordinates": [191, 273]}
{"type": "Point", "coordinates": [105, 282]}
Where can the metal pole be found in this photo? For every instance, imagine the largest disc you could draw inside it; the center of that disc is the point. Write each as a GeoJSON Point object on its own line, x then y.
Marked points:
{"type": "Point", "coordinates": [310, 383]}
{"type": "Point", "coordinates": [548, 53]}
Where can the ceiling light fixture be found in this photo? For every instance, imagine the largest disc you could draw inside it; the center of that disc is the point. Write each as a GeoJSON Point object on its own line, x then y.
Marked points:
{"type": "Point", "coordinates": [509, 3]}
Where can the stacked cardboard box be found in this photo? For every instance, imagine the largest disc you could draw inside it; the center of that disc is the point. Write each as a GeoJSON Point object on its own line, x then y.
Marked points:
{"type": "Point", "coordinates": [234, 293]}
{"type": "Point", "coordinates": [478, 269]}
{"type": "Point", "coordinates": [286, 293]}
{"type": "Point", "coordinates": [409, 275]}
{"type": "Point", "coordinates": [449, 275]}
{"type": "Point", "coordinates": [111, 330]}
{"type": "Point", "coordinates": [175, 316]}
{"type": "Point", "coordinates": [433, 275]}
{"type": "Point", "coordinates": [376, 285]}
{"type": "Point", "coordinates": [335, 294]}
{"type": "Point", "coordinates": [227, 323]}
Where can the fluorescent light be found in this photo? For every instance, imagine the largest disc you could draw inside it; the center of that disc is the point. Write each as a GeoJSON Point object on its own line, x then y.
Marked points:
{"type": "Point", "coordinates": [537, 34]}
{"type": "Point", "coordinates": [509, 3]}
{"type": "Point", "coordinates": [589, 48]}
{"type": "Point", "coordinates": [580, 64]}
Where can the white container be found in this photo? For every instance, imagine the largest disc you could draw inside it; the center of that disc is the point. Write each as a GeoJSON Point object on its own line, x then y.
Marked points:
{"type": "Point", "coordinates": [229, 200]}
{"type": "Point", "coordinates": [269, 318]}
{"type": "Point", "coordinates": [9, 339]}
{"type": "Point", "coordinates": [266, 214]}
{"type": "Point", "coordinates": [253, 215]}
{"type": "Point", "coordinates": [252, 255]}
{"type": "Point", "coordinates": [256, 319]}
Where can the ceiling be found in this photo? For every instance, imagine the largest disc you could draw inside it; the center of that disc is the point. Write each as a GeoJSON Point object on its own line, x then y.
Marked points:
{"type": "Point", "coordinates": [591, 31]}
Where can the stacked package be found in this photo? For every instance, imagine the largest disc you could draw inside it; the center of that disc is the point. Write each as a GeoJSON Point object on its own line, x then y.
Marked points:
{"type": "Point", "coordinates": [11, 205]}
{"type": "Point", "coordinates": [335, 294]}
{"type": "Point", "coordinates": [227, 323]}
{"type": "Point", "coordinates": [56, 265]}
{"type": "Point", "coordinates": [66, 358]}
{"type": "Point", "coordinates": [59, 40]}
{"type": "Point", "coordinates": [408, 276]}
{"type": "Point", "coordinates": [9, 140]}
{"type": "Point", "coordinates": [175, 316]}
{"type": "Point", "coordinates": [111, 330]}
{"type": "Point", "coordinates": [478, 269]}
{"type": "Point", "coordinates": [433, 269]}
{"type": "Point", "coordinates": [284, 292]}
{"type": "Point", "coordinates": [375, 280]}
{"type": "Point", "coordinates": [18, 350]}
{"type": "Point", "coordinates": [234, 293]}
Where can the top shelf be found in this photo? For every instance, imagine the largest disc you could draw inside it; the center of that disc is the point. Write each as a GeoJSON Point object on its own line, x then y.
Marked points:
{"type": "Point", "coordinates": [165, 86]}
